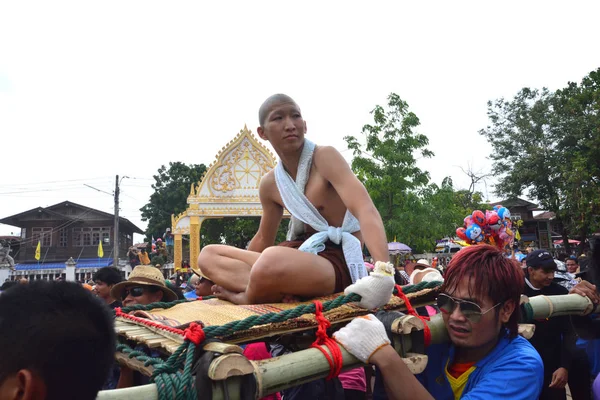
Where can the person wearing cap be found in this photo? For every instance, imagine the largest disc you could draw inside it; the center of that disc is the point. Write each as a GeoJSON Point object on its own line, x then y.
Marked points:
{"type": "Point", "coordinates": [554, 338]}
{"type": "Point", "coordinates": [485, 358]}
{"type": "Point", "coordinates": [145, 285]}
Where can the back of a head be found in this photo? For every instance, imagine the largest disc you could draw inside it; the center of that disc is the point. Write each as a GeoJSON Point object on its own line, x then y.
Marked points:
{"type": "Point", "coordinates": [108, 275]}
{"type": "Point", "coordinates": [490, 274]}
{"type": "Point", "coordinates": [266, 106]}
{"type": "Point", "coordinates": [59, 331]}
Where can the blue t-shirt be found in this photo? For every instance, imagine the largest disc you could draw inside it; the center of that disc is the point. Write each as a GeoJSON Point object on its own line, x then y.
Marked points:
{"type": "Point", "coordinates": [512, 370]}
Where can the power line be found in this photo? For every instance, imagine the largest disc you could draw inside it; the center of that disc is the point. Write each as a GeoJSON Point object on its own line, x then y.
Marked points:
{"type": "Point", "coordinates": [67, 180]}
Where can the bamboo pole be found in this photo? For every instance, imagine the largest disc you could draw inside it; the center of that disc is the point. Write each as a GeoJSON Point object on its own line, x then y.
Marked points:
{"type": "Point", "coordinates": [555, 306]}
{"type": "Point", "coordinates": [145, 392]}
{"type": "Point", "coordinates": [276, 374]}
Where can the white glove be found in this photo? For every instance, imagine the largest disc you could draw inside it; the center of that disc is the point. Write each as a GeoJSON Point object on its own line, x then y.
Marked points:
{"type": "Point", "coordinates": [375, 289]}
{"type": "Point", "coordinates": [363, 337]}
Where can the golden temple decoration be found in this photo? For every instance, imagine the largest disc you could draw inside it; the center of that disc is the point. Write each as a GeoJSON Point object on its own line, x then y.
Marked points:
{"type": "Point", "coordinates": [229, 188]}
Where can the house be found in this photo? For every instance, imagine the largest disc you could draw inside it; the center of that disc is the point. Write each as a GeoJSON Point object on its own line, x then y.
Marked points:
{"type": "Point", "coordinates": [67, 230]}
{"type": "Point", "coordinates": [534, 231]}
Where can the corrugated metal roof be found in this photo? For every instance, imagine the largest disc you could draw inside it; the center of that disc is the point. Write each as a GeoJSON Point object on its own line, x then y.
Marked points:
{"type": "Point", "coordinates": [82, 263]}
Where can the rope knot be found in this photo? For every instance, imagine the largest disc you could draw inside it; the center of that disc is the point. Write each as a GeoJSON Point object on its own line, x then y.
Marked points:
{"type": "Point", "coordinates": [335, 360]}
{"type": "Point", "coordinates": [323, 323]}
{"type": "Point", "coordinates": [194, 333]}
{"type": "Point", "coordinates": [335, 234]}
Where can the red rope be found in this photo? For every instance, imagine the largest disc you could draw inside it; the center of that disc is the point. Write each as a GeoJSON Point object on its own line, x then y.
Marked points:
{"type": "Point", "coordinates": [335, 360]}
{"type": "Point", "coordinates": [147, 322]}
{"type": "Point", "coordinates": [411, 311]}
{"type": "Point", "coordinates": [194, 332]}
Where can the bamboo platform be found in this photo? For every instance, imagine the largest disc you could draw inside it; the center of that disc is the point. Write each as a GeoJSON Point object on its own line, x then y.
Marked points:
{"type": "Point", "coordinates": [289, 370]}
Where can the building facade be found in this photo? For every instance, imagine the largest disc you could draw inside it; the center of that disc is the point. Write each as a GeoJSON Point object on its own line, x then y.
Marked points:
{"type": "Point", "coordinates": [67, 230]}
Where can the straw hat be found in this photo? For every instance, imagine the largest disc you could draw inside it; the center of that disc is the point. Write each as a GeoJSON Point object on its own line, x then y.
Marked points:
{"type": "Point", "coordinates": [198, 272]}
{"type": "Point", "coordinates": [426, 275]}
{"type": "Point", "coordinates": [144, 275]}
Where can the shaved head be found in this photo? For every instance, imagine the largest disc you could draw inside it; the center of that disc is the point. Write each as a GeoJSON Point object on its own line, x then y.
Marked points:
{"type": "Point", "coordinates": [268, 104]}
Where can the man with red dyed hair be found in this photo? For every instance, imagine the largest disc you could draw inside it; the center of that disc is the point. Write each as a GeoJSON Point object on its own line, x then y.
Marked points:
{"type": "Point", "coordinates": [486, 359]}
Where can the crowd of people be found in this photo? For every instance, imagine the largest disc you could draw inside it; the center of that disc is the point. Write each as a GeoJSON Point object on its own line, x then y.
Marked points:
{"type": "Point", "coordinates": [59, 340]}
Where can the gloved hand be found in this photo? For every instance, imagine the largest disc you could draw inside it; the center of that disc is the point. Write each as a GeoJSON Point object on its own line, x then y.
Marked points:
{"type": "Point", "coordinates": [375, 289]}
{"type": "Point", "coordinates": [363, 337]}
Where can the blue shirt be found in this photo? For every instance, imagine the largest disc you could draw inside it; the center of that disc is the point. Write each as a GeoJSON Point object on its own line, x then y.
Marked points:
{"type": "Point", "coordinates": [512, 370]}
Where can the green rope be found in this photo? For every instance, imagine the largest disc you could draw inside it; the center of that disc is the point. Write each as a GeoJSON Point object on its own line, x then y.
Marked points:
{"type": "Point", "coordinates": [527, 313]}
{"type": "Point", "coordinates": [160, 304]}
{"type": "Point", "coordinates": [173, 377]}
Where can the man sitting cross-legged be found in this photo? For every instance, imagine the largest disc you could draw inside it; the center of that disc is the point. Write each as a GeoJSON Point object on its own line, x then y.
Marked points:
{"type": "Point", "coordinates": [331, 214]}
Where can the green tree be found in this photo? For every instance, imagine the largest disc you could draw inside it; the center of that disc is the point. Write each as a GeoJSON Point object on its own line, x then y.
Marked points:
{"type": "Point", "coordinates": [235, 231]}
{"type": "Point", "coordinates": [171, 189]}
{"type": "Point", "coordinates": [387, 166]}
{"type": "Point", "coordinates": [547, 146]}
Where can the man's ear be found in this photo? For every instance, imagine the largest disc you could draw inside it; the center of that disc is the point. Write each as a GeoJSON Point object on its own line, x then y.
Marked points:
{"type": "Point", "coordinates": [24, 385]}
{"type": "Point", "coordinates": [506, 310]}
{"type": "Point", "coordinates": [261, 133]}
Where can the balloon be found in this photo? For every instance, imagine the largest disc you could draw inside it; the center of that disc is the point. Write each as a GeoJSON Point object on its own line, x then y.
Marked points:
{"type": "Point", "coordinates": [478, 218]}
{"type": "Point", "coordinates": [460, 232]}
{"type": "Point", "coordinates": [503, 234]}
{"type": "Point", "coordinates": [497, 207]}
{"type": "Point", "coordinates": [494, 221]}
{"type": "Point", "coordinates": [503, 213]}
{"type": "Point", "coordinates": [473, 231]}
{"type": "Point", "coordinates": [468, 221]}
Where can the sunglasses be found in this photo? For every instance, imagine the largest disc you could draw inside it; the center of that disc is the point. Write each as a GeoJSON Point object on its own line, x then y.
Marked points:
{"type": "Point", "coordinates": [471, 311]}
{"type": "Point", "coordinates": [134, 292]}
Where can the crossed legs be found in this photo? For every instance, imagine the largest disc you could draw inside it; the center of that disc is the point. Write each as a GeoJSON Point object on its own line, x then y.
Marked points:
{"type": "Point", "coordinates": [246, 277]}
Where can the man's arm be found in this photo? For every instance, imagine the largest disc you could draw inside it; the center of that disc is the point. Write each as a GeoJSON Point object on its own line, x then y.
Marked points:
{"type": "Point", "coordinates": [399, 382]}
{"type": "Point", "coordinates": [333, 167]}
{"type": "Point", "coordinates": [271, 218]}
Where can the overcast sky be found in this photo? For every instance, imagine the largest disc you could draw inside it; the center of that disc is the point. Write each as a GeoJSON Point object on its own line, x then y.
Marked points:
{"type": "Point", "coordinates": [89, 90]}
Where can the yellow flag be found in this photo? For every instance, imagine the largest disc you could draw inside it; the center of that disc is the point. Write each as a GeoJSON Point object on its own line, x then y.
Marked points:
{"type": "Point", "coordinates": [100, 250]}
{"type": "Point", "coordinates": [518, 235]}
{"type": "Point", "coordinates": [38, 250]}
{"type": "Point", "coordinates": [395, 238]}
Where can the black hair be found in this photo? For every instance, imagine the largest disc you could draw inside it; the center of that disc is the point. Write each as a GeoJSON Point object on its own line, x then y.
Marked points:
{"type": "Point", "coordinates": [59, 331]}
{"type": "Point", "coordinates": [266, 106]}
{"type": "Point", "coordinates": [108, 275]}
{"type": "Point", "coordinates": [7, 285]}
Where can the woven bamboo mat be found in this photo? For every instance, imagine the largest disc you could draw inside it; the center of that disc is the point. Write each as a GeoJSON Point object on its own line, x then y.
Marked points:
{"type": "Point", "coordinates": [216, 312]}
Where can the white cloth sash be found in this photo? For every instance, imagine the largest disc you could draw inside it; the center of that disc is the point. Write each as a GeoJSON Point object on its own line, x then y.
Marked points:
{"type": "Point", "coordinates": [303, 212]}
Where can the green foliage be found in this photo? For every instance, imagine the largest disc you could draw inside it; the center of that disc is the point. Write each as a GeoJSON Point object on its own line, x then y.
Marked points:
{"type": "Point", "coordinates": [158, 259]}
{"type": "Point", "coordinates": [414, 211]}
{"type": "Point", "coordinates": [171, 189]}
{"type": "Point", "coordinates": [235, 231]}
{"type": "Point", "coordinates": [547, 145]}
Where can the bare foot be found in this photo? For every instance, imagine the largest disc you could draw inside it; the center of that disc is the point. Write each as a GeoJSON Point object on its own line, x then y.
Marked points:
{"type": "Point", "coordinates": [289, 298]}
{"type": "Point", "coordinates": [224, 294]}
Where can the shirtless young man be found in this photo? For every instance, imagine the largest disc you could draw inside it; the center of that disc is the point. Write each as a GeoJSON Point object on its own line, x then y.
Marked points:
{"type": "Point", "coordinates": [265, 273]}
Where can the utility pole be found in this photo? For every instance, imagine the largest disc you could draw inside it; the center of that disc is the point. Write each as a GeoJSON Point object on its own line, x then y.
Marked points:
{"type": "Point", "coordinates": [116, 227]}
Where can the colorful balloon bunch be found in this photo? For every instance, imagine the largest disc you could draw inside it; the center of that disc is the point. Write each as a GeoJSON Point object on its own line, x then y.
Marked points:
{"type": "Point", "coordinates": [494, 227]}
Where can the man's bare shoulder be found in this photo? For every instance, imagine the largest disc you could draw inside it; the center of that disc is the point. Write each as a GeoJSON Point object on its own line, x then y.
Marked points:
{"type": "Point", "coordinates": [268, 188]}
{"type": "Point", "coordinates": [268, 180]}
{"type": "Point", "coordinates": [329, 158]}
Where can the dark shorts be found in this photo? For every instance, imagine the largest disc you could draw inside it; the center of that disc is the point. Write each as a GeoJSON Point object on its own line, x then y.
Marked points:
{"type": "Point", "coordinates": [335, 255]}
